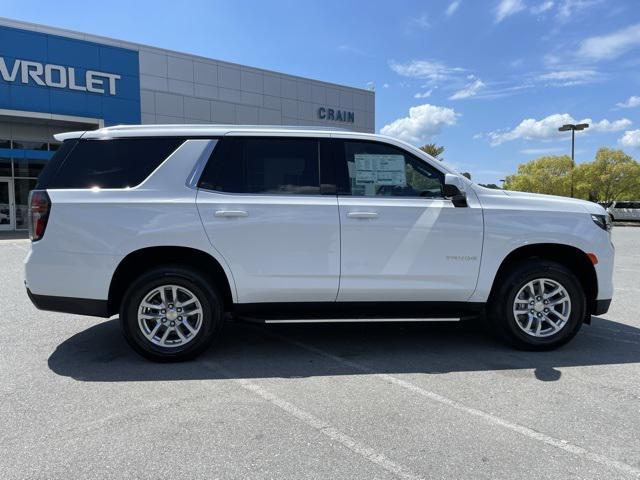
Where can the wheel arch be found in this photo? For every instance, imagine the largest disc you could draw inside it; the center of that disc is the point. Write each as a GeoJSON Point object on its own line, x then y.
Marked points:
{"type": "Point", "coordinates": [139, 261]}
{"type": "Point", "coordinates": [569, 256]}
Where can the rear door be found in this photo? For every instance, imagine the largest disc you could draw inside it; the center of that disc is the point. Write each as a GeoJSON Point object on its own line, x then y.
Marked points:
{"type": "Point", "coordinates": [262, 205]}
{"type": "Point", "coordinates": [401, 239]}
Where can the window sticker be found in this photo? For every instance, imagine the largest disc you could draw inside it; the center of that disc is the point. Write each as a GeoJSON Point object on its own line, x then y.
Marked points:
{"type": "Point", "coordinates": [374, 169]}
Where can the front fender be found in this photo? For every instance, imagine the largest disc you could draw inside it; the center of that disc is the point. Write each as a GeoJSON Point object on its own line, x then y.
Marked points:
{"type": "Point", "coordinates": [507, 230]}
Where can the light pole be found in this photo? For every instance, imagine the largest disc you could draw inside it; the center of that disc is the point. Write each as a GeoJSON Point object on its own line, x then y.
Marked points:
{"type": "Point", "coordinates": [573, 128]}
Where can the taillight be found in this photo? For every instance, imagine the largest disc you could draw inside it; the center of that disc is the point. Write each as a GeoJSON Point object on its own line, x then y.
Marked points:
{"type": "Point", "coordinates": [39, 207]}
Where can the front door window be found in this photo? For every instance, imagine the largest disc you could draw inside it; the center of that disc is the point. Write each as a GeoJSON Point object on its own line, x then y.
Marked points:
{"type": "Point", "coordinates": [380, 170]}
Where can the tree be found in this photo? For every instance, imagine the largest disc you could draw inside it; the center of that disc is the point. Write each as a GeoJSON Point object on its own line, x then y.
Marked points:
{"type": "Point", "coordinates": [551, 175]}
{"type": "Point", "coordinates": [613, 175]}
{"type": "Point", "coordinates": [432, 149]}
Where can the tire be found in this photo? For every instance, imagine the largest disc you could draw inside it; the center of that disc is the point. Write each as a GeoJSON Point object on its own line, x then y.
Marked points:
{"type": "Point", "coordinates": [556, 326]}
{"type": "Point", "coordinates": [190, 329]}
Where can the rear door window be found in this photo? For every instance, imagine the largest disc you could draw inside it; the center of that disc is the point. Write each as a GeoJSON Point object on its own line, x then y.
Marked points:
{"type": "Point", "coordinates": [117, 163]}
{"type": "Point", "coordinates": [271, 166]}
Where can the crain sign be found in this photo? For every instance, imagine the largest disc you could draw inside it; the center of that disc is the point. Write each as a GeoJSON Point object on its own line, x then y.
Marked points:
{"type": "Point", "coordinates": [58, 76]}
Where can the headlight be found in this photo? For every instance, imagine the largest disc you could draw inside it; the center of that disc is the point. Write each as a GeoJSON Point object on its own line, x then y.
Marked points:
{"type": "Point", "coordinates": [603, 221]}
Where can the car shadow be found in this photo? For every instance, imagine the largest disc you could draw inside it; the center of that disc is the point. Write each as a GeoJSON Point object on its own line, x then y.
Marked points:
{"type": "Point", "coordinates": [100, 353]}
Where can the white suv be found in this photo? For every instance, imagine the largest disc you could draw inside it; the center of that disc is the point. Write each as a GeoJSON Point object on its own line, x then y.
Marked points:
{"type": "Point", "coordinates": [624, 211]}
{"type": "Point", "coordinates": [173, 227]}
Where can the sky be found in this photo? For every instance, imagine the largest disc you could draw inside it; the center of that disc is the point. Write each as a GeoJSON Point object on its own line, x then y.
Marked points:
{"type": "Point", "coordinates": [491, 80]}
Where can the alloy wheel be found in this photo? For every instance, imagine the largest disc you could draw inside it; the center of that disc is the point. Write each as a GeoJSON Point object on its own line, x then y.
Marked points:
{"type": "Point", "coordinates": [542, 307]}
{"type": "Point", "coordinates": [170, 316]}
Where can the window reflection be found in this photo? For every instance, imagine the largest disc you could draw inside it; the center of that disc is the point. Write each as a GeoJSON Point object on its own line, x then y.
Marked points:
{"type": "Point", "coordinates": [28, 145]}
{"type": "Point", "coordinates": [28, 167]}
{"type": "Point", "coordinates": [21, 162]}
{"type": "Point", "coordinates": [5, 167]}
{"type": "Point", "coordinates": [5, 210]}
{"type": "Point", "coordinates": [22, 187]}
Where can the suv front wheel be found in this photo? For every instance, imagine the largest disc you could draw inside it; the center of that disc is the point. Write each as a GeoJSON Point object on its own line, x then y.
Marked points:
{"type": "Point", "coordinates": [171, 314]}
{"type": "Point", "coordinates": [539, 305]}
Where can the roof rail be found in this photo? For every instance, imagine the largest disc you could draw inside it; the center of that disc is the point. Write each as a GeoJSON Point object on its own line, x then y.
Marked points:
{"type": "Point", "coordinates": [222, 126]}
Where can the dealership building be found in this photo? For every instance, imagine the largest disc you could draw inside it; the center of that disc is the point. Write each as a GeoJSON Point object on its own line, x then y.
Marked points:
{"type": "Point", "coordinates": [54, 80]}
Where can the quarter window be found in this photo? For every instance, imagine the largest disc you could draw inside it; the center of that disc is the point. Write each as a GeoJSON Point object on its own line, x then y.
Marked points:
{"type": "Point", "coordinates": [117, 163]}
{"type": "Point", "coordinates": [379, 170]}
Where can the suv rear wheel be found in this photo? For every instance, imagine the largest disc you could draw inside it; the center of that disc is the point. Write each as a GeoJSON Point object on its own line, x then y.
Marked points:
{"type": "Point", "coordinates": [539, 305]}
{"type": "Point", "coordinates": [171, 314]}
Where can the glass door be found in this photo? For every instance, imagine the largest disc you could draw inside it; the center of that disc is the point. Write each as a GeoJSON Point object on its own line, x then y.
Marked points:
{"type": "Point", "coordinates": [7, 221]}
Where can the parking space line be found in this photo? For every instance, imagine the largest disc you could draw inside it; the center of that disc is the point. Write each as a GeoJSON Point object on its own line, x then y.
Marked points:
{"type": "Point", "coordinates": [627, 289]}
{"type": "Point", "coordinates": [319, 425]}
{"type": "Point", "coordinates": [489, 417]}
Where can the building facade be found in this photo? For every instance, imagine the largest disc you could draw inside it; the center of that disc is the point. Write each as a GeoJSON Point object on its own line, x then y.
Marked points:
{"type": "Point", "coordinates": [54, 80]}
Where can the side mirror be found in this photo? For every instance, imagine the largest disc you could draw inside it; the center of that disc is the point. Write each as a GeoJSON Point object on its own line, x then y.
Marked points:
{"type": "Point", "coordinates": [451, 190]}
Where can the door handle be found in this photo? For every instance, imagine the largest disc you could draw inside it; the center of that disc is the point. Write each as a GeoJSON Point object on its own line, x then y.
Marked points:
{"type": "Point", "coordinates": [362, 215]}
{"type": "Point", "coordinates": [231, 213]}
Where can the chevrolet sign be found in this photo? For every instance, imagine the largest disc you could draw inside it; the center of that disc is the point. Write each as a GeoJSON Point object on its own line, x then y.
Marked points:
{"type": "Point", "coordinates": [58, 76]}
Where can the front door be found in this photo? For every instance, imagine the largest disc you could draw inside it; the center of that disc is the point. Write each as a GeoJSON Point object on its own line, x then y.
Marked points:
{"type": "Point", "coordinates": [7, 221]}
{"type": "Point", "coordinates": [261, 204]}
{"type": "Point", "coordinates": [401, 239]}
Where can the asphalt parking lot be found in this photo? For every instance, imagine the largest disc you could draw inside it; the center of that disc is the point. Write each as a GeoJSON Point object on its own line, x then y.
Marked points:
{"type": "Point", "coordinates": [428, 400]}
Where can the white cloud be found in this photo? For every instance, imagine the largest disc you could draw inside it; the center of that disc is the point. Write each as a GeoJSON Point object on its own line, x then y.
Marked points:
{"type": "Point", "coordinates": [564, 78]}
{"type": "Point", "coordinates": [547, 128]}
{"type": "Point", "coordinates": [423, 122]}
{"type": "Point", "coordinates": [353, 50]}
{"type": "Point", "coordinates": [541, 151]}
{"type": "Point", "coordinates": [564, 9]}
{"type": "Point", "coordinates": [469, 90]}
{"type": "Point", "coordinates": [385, 85]}
{"type": "Point", "coordinates": [609, 46]}
{"type": "Point", "coordinates": [426, 94]}
{"type": "Point", "coordinates": [419, 23]}
{"type": "Point", "coordinates": [507, 8]}
{"type": "Point", "coordinates": [607, 126]}
{"type": "Point", "coordinates": [542, 7]}
{"type": "Point", "coordinates": [453, 6]}
{"type": "Point", "coordinates": [632, 102]}
{"type": "Point", "coordinates": [425, 69]}
{"type": "Point", "coordinates": [569, 8]}
{"type": "Point", "coordinates": [631, 138]}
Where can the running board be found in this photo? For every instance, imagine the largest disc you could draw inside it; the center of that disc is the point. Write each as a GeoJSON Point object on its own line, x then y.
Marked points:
{"type": "Point", "coordinates": [344, 312]}
{"type": "Point", "coordinates": [347, 320]}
